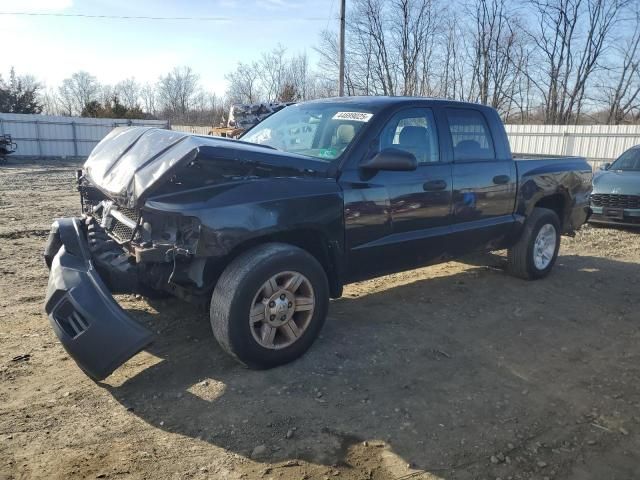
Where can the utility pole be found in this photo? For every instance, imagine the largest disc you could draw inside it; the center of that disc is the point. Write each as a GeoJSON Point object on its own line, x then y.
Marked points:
{"type": "Point", "coordinates": [341, 74]}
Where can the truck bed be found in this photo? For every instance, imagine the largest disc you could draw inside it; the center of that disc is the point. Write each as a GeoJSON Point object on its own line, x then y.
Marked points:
{"type": "Point", "coordinates": [543, 156]}
{"type": "Point", "coordinates": [563, 180]}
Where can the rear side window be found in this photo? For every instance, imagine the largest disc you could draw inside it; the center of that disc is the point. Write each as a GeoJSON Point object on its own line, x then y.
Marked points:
{"type": "Point", "coordinates": [470, 135]}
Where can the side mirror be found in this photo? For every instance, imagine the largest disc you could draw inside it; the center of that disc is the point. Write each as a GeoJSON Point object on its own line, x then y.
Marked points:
{"type": "Point", "coordinates": [605, 166]}
{"type": "Point", "coordinates": [391, 159]}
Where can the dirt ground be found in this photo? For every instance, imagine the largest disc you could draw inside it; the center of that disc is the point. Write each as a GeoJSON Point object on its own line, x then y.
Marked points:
{"type": "Point", "coordinates": [456, 371]}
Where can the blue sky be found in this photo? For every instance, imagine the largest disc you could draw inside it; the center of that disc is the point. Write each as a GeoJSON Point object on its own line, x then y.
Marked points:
{"type": "Point", "coordinates": [51, 48]}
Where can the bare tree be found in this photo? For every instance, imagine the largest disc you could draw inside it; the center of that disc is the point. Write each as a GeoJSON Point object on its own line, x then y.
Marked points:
{"type": "Point", "coordinates": [552, 61]}
{"type": "Point", "coordinates": [451, 65]}
{"type": "Point", "coordinates": [176, 91]}
{"type": "Point", "coordinates": [521, 98]}
{"type": "Point", "coordinates": [106, 93]}
{"type": "Point", "coordinates": [327, 75]}
{"type": "Point", "coordinates": [50, 101]}
{"type": "Point", "coordinates": [76, 91]}
{"type": "Point", "coordinates": [571, 36]}
{"type": "Point", "coordinates": [149, 99]}
{"type": "Point", "coordinates": [206, 109]}
{"type": "Point", "coordinates": [298, 75]}
{"type": "Point", "coordinates": [411, 35]}
{"type": "Point", "coordinates": [389, 47]}
{"type": "Point", "coordinates": [536, 61]}
{"type": "Point", "coordinates": [370, 45]}
{"type": "Point", "coordinates": [244, 84]}
{"type": "Point", "coordinates": [495, 43]}
{"type": "Point", "coordinates": [272, 72]}
{"type": "Point", "coordinates": [128, 92]}
{"type": "Point", "coordinates": [623, 96]}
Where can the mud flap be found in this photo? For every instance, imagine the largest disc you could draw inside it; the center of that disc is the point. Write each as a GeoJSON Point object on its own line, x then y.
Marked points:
{"type": "Point", "coordinates": [92, 327]}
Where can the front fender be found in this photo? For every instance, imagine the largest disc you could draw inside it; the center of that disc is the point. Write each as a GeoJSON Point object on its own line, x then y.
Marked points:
{"type": "Point", "coordinates": [235, 214]}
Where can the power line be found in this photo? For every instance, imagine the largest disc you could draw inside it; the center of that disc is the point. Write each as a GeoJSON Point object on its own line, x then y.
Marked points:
{"type": "Point", "coordinates": [326, 27]}
{"type": "Point", "coordinates": [144, 17]}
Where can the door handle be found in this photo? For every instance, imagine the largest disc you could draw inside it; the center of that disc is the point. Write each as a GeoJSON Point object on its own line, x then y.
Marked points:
{"type": "Point", "coordinates": [501, 179]}
{"type": "Point", "coordinates": [434, 185]}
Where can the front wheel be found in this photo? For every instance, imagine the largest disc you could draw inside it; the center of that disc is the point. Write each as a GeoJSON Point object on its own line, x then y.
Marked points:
{"type": "Point", "coordinates": [269, 305]}
{"type": "Point", "coordinates": [535, 253]}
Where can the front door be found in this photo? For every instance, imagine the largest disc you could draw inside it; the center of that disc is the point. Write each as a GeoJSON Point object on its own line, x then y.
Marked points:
{"type": "Point", "coordinates": [398, 220]}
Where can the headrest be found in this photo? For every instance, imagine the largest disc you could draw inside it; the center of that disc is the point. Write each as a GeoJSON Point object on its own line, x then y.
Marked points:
{"type": "Point", "coordinates": [345, 133]}
{"type": "Point", "coordinates": [467, 146]}
{"type": "Point", "coordinates": [413, 136]}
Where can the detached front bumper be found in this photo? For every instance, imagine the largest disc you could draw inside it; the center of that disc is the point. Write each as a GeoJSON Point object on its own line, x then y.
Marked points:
{"type": "Point", "coordinates": [92, 327]}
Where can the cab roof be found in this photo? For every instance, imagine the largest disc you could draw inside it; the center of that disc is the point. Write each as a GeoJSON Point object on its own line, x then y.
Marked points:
{"type": "Point", "coordinates": [380, 102]}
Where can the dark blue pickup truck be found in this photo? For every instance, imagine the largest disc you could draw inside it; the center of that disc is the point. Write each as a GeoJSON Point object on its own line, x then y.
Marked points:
{"type": "Point", "coordinates": [265, 229]}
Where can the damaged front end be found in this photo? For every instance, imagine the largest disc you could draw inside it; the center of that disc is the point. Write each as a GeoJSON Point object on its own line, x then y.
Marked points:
{"type": "Point", "coordinates": [161, 211]}
{"type": "Point", "coordinates": [141, 251]}
{"type": "Point", "coordinates": [119, 247]}
{"type": "Point", "coordinates": [114, 249]}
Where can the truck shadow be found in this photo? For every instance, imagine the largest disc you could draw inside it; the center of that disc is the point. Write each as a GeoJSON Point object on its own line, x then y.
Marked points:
{"type": "Point", "coordinates": [445, 371]}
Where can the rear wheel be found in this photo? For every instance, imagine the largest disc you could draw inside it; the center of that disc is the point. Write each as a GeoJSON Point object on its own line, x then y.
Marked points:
{"type": "Point", "coordinates": [269, 305]}
{"type": "Point", "coordinates": [535, 253]}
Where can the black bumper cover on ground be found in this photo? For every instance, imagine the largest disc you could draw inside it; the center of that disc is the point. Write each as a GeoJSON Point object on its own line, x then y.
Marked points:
{"type": "Point", "coordinates": [92, 327]}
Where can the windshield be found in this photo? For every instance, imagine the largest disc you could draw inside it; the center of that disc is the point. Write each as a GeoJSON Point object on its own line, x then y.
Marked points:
{"type": "Point", "coordinates": [321, 131]}
{"type": "Point", "coordinates": [629, 160]}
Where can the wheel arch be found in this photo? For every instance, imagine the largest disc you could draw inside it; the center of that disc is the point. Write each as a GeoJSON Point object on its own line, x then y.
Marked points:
{"type": "Point", "coordinates": [558, 202]}
{"type": "Point", "coordinates": [315, 242]}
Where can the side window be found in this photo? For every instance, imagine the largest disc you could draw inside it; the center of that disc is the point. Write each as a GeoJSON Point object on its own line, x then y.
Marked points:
{"type": "Point", "coordinates": [414, 131]}
{"type": "Point", "coordinates": [629, 160]}
{"type": "Point", "coordinates": [470, 135]}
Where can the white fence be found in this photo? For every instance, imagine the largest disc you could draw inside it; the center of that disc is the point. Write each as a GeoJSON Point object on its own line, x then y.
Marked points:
{"type": "Point", "coordinates": [49, 136]}
{"type": "Point", "coordinates": [192, 129]}
{"type": "Point", "coordinates": [41, 135]}
{"type": "Point", "coordinates": [599, 143]}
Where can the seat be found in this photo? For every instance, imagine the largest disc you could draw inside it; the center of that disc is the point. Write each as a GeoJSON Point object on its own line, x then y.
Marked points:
{"type": "Point", "coordinates": [344, 135]}
{"type": "Point", "coordinates": [467, 150]}
{"type": "Point", "coordinates": [415, 139]}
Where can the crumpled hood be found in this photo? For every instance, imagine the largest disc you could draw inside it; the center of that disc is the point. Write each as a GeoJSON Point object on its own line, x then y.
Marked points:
{"type": "Point", "coordinates": [129, 161]}
{"type": "Point", "coordinates": [617, 182]}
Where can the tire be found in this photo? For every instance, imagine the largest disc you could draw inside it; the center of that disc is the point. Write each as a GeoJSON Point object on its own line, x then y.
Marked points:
{"type": "Point", "coordinates": [521, 258]}
{"type": "Point", "coordinates": [245, 288]}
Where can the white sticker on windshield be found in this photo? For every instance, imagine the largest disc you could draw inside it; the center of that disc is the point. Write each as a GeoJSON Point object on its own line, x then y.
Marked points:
{"type": "Point", "coordinates": [355, 116]}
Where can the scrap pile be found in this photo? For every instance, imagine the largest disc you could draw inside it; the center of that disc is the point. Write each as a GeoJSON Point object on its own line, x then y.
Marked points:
{"type": "Point", "coordinates": [7, 146]}
{"type": "Point", "coordinates": [244, 116]}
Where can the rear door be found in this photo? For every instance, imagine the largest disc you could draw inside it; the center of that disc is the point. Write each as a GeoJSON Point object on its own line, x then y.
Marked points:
{"type": "Point", "coordinates": [484, 182]}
